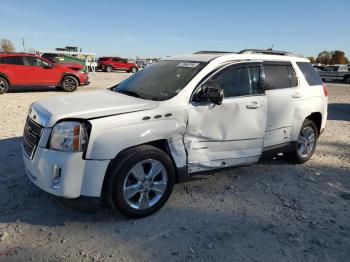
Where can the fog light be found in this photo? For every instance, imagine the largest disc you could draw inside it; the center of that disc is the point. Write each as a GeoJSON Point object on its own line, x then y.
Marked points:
{"type": "Point", "coordinates": [56, 177]}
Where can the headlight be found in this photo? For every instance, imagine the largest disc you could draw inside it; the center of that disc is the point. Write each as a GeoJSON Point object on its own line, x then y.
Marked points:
{"type": "Point", "coordinates": [69, 136]}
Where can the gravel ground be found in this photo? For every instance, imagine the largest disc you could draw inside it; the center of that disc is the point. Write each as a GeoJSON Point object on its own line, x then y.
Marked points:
{"type": "Point", "coordinates": [271, 211]}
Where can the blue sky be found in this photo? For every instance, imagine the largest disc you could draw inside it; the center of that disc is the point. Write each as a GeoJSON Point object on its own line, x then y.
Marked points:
{"type": "Point", "coordinates": [160, 28]}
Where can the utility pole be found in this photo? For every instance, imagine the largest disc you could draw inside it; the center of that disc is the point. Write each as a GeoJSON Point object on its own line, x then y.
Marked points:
{"type": "Point", "coordinates": [24, 47]}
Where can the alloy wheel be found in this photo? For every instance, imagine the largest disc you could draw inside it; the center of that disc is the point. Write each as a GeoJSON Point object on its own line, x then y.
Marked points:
{"type": "Point", "coordinates": [69, 84]}
{"type": "Point", "coordinates": [2, 85]}
{"type": "Point", "coordinates": [145, 184]}
{"type": "Point", "coordinates": [306, 141]}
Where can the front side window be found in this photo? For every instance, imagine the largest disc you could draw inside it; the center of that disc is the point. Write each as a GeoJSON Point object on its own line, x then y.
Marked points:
{"type": "Point", "coordinates": [160, 81]}
{"type": "Point", "coordinates": [33, 61]}
{"type": "Point", "coordinates": [279, 76]}
{"type": "Point", "coordinates": [236, 80]}
{"type": "Point", "coordinates": [12, 60]}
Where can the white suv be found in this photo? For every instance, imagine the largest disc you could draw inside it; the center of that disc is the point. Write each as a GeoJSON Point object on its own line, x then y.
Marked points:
{"type": "Point", "coordinates": [128, 145]}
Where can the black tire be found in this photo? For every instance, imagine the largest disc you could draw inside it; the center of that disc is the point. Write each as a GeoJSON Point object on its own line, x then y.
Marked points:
{"type": "Point", "coordinates": [347, 80]}
{"type": "Point", "coordinates": [294, 156]}
{"type": "Point", "coordinates": [112, 195]}
{"type": "Point", "coordinates": [133, 70]}
{"type": "Point", "coordinates": [69, 84]}
{"type": "Point", "coordinates": [109, 69]}
{"type": "Point", "coordinates": [4, 85]}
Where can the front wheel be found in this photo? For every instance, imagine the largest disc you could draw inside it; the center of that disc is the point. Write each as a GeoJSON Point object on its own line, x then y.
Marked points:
{"type": "Point", "coordinates": [306, 144]}
{"type": "Point", "coordinates": [69, 84]}
{"type": "Point", "coordinates": [140, 182]}
{"type": "Point", "coordinates": [133, 70]}
{"type": "Point", "coordinates": [4, 85]}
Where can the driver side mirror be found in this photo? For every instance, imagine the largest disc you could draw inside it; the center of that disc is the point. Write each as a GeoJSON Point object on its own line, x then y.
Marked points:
{"type": "Point", "coordinates": [48, 66]}
{"type": "Point", "coordinates": [210, 93]}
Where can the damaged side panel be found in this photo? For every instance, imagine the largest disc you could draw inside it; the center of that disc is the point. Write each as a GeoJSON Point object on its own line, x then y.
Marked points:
{"type": "Point", "coordinates": [225, 135]}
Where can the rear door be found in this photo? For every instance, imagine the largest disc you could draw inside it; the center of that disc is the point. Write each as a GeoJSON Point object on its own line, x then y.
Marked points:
{"type": "Point", "coordinates": [16, 70]}
{"type": "Point", "coordinates": [231, 133]}
{"type": "Point", "coordinates": [41, 72]}
{"type": "Point", "coordinates": [282, 92]}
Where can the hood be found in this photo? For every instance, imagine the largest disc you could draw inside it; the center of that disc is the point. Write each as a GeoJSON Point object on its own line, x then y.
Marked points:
{"type": "Point", "coordinates": [86, 105]}
{"type": "Point", "coordinates": [71, 65]}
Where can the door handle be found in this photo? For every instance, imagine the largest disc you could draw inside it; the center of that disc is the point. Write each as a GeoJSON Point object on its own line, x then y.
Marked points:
{"type": "Point", "coordinates": [297, 95]}
{"type": "Point", "coordinates": [253, 105]}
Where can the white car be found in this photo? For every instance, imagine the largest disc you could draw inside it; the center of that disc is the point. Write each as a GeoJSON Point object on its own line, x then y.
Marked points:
{"type": "Point", "coordinates": [178, 117]}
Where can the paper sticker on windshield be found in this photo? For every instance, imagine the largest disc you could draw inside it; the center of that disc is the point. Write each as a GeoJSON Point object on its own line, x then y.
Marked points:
{"type": "Point", "coordinates": [191, 65]}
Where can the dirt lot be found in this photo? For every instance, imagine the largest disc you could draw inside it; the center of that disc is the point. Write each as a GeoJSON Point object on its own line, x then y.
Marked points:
{"type": "Point", "coordinates": [272, 211]}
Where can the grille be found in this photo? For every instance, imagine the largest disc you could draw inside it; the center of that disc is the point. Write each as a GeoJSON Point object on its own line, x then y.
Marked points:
{"type": "Point", "coordinates": [31, 137]}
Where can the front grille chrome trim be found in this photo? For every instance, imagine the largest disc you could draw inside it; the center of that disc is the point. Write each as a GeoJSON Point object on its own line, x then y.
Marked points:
{"type": "Point", "coordinates": [31, 136]}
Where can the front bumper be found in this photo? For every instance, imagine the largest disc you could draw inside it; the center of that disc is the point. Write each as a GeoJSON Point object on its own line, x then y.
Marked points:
{"type": "Point", "coordinates": [79, 177]}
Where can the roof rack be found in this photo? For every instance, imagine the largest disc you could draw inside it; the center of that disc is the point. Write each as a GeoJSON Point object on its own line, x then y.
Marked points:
{"type": "Point", "coordinates": [265, 52]}
{"type": "Point", "coordinates": [205, 52]}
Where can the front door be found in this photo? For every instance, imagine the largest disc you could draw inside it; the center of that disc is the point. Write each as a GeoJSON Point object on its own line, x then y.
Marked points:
{"type": "Point", "coordinates": [41, 72]}
{"type": "Point", "coordinates": [232, 133]}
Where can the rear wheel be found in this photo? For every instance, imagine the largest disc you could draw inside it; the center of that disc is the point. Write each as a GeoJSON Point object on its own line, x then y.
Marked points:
{"type": "Point", "coordinates": [69, 84]}
{"type": "Point", "coordinates": [347, 79]}
{"type": "Point", "coordinates": [140, 182]}
{"type": "Point", "coordinates": [306, 144]}
{"type": "Point", "coordinates": [109, 69]}
{"type": "Point", "coordinates": [4, 85]}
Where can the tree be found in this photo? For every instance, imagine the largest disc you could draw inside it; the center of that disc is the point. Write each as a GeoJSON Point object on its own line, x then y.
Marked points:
{"type": "Point", "coordinates": [338, 57]}
{"type": "Point", "coordinates": [332, 57]}
{"type": "Point", "coordinates": [312, 59]}
{"type": "Point", "coordinates": [6, 46]}
{"type": "Point", "coordinates": [324, 57]}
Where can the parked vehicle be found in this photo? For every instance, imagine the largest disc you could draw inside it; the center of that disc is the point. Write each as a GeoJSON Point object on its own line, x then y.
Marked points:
{"type": "Point", "coordinates": [17, 69]}
{"type": "Point", "coordinates": [108, 64]}
{"type": "Point", "coordinates": [335, 72]}
{"type": "Point", "coordinates": [128, 145]}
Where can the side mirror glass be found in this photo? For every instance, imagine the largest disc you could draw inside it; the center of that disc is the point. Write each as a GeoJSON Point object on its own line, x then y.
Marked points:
{"type": "Point", "coordinates": [47, 66]}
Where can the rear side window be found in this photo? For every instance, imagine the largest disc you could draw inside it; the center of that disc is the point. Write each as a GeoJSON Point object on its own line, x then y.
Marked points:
{"type": "Point", "coordinates": [12, 60]}
{"type": "Point", "coordinates": [311, 76]}
{"type": "Point", "coordinates": [279, 76]}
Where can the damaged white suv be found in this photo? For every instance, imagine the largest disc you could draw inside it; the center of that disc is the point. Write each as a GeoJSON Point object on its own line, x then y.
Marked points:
{"type": "Point", "coordinates": [128, 145]}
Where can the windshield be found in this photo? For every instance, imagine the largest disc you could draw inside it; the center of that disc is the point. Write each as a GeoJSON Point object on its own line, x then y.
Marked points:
{"type": "Point", "coordinates": [160, 81]}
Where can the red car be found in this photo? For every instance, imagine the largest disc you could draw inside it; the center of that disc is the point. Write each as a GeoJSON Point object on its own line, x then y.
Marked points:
{"type": "Point", "coordinates": [108, 64]}
{"type": "Point", "coordinates": [30, 70]}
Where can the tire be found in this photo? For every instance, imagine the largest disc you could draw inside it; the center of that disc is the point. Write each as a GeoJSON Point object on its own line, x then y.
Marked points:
{"type": "Point", "coordinates": [69, 84]}
{"type": "Point", "coordinates": [133, 70]}
{"type": "Point", "coordinates": [125, 188]}
{"type": "Point", "coordinates": [347, 80]}
{"type": "Point", "coordinates": [109, 69]}
{"type": "Point", "coordinates": [4, 85]}
{"type": "Point", "coordinates": [306, 144]}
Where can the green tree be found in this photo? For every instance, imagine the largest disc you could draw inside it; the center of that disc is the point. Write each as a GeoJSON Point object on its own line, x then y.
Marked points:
{"type": "Point", "coordinates": [6, 46]}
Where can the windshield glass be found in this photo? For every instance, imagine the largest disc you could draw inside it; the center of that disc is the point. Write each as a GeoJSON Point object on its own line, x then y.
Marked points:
{"type": "Point", "coordinates": [160, 81]}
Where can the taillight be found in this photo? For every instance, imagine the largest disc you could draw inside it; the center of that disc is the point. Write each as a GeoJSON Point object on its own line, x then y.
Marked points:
{"type": "Point", "coordinates": [325, 92]}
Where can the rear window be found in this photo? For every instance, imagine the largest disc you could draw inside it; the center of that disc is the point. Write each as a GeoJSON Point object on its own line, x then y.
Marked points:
{"type": "Point", "coordinates": [12, 60]}
{"type": "Point", "coordinates": [311, 76]}
{"type": "Point", "coordinates": [279, 76]}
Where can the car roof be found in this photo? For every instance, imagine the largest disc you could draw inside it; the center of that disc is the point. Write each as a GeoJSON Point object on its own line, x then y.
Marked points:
{"type": "Point", "coordinates": [235, 56]}
{"type": "Point", "coordinates": [246, 54]}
